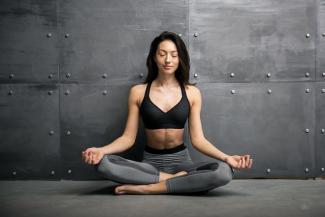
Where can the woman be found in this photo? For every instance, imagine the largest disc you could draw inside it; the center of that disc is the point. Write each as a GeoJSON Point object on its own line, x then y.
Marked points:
{"type": "Point", "coordinates": [165, 101]}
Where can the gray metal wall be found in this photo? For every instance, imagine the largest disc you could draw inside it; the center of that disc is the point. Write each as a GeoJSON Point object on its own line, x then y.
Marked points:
{"type": "Point", "coordinates": [66, 68]}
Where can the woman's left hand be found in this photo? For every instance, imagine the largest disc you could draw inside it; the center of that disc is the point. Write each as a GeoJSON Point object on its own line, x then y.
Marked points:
{"type": "Point", "coordinates": [239, 162]}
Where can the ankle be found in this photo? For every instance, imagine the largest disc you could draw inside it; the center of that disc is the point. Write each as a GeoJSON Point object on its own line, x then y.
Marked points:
{"type": "Point", "coordinates": [164, 176]}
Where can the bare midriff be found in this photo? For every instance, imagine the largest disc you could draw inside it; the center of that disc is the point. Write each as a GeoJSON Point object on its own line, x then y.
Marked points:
{"type": "Point", "coordinates": [164, 138]}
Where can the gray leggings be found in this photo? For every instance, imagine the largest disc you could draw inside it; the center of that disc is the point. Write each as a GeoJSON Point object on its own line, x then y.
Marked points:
{"type": "Point", "coordinates": [200, 177]}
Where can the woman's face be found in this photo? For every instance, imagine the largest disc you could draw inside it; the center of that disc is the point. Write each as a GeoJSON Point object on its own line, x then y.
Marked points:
{"type": "Point", "coordinates": [167, 57]}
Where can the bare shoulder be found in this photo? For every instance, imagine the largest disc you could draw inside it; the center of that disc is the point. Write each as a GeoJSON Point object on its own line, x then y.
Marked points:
{"type": "Point", "coordinates": [193, 93]}
{"type": "Point", "coordinates": [137, 92]}
{"type": "Point", "coordinates": [138, 87]}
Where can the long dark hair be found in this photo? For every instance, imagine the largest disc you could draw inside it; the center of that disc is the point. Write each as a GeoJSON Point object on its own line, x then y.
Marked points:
{"type": "Point", "coordinates": [183, 70]}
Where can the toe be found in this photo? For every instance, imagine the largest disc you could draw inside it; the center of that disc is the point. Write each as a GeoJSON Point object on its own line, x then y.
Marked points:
{"type": "Point", "coordinates": [118, 190]}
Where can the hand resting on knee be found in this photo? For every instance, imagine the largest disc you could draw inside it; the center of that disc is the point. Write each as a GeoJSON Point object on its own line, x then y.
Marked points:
{"type": "Point", "coordinates": [92, 155]}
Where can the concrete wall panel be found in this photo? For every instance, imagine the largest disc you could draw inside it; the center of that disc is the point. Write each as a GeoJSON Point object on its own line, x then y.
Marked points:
{"type": "Point", "coordinates": [272, 127]}
{"type": "Point", "coordinates": [29, 131]}
{"type": "Point", "coordinates": [28, 42]}
{"type": "Point", "coordinates": [251, 39]}
{"type": "Point", "coordinates": [110, 40]}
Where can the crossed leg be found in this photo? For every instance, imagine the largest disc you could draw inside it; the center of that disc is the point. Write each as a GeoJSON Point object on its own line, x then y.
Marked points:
{"type": "Point", "coordinates": [143, 178]}
{"type": "Point", "coordinates": [156, 188]}
{"type": "Point", "coordinates": [138, 177]}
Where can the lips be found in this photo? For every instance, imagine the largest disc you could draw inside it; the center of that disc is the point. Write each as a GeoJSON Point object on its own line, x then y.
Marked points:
{"type": "Point", "coordinates": [167, 67]}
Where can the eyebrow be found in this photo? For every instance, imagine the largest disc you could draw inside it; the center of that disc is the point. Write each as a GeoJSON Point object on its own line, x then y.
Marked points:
{"type": "Point", "coordinates": [166, 51]}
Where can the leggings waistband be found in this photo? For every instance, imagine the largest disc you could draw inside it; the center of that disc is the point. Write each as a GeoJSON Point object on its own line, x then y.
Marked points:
{"type": "Point", "coordinates": [165, 151]}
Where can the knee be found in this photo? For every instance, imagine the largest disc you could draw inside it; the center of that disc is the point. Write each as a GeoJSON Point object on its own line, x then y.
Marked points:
{"type": "Point", "coordinates": [223, 175]}
{"type": "Point", "coordinates": [104, 165]}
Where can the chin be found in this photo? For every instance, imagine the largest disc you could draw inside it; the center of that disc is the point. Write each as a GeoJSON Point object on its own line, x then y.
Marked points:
{"type": "Point", "coordinates": [169, 71]}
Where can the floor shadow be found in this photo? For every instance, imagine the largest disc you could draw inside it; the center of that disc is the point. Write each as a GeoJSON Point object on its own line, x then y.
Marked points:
{"type": "Point", "coordinates": [102, 191]}
{"type": "Point", "coordinates": [91, 188]}
{"type": "Point", "coordinates": [213, 193]}
{"type": "Point", "coordinates": [107, 189]}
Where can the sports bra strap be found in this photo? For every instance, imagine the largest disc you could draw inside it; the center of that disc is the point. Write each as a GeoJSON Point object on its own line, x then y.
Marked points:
{"type": "Point", "coordinates": [146, 95]}
{"type": "Point", "coordinates": [147, 90]}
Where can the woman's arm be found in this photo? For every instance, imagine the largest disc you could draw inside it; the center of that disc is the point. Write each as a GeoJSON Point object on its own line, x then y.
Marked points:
{"type": "Point", "coordinates": [127, 139]}
{"type": "Point", "coordinates": [199, 141]}
{"type": "Point", "coordinates": [93, 155]}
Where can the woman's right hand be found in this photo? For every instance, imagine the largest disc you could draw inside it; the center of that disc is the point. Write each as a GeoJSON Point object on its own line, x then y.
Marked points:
{"type": "Point", "coordinates": [92, 155]}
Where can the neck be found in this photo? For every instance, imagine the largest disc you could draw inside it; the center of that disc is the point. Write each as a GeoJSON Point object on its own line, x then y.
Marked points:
{"type": "Point", "coordinates": [163, 80]}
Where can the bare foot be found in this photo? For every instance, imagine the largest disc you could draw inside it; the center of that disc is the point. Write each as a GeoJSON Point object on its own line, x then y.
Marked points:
{"type": "Point", "coordinates": [181, 173]}
{"type": "Point", "coordinates": [131, 189]}
{"type": "Point", "coordinates": [157, 188]}
{"type": "Point", "coordinates": [164, 176]}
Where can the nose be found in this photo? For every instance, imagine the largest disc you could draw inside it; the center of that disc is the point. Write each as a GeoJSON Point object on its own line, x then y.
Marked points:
{"type": "Point", "coordinates": [168, 58]}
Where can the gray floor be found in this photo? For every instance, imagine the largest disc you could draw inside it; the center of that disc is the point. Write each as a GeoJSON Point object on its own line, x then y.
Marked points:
{"type": "Point", "coordinates": [93, 198]}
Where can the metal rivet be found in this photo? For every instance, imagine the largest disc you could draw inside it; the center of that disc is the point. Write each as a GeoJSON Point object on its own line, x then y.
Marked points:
{"type": "Point", "coordinates": [50, 92]}
{"type": "Point", "coordinates": [323, 90]}
{"type": "Point", "coordinates": [67, 92]}
{"type": "Point", "coordinates": [306, 130]}
{"type": "Point", "coordinates": [51, 132]}
{"type": "Point", "coordinates": [104, 75]}
{"type": "Point", "coordinates": [196, 34]}
{"type": "Point", "coordinates": [180, 34]}
{"type": "Point", "coordinates": [307, 35]}
{"type": "Point", "coordinates": [11, 92]}
{"type": "Point", "coordinates": [52, 172]}
{"type": "Point", "coordinates": [50, 76]}
{"type": "Point", "coordinates": [268, 75]}
{"type": "Point", "coordinates": [49, 35]}
{"type": "Point", "coordinates": [307, 74]}
{"type": "Point", "coordinates": [233, 91]}
{"type": "Point", "coordinates": [323, 74]}
{"type": "Point", "coordinates": [322, 169]}
{"type": "Point", "coordinates": [232, 74]}
{"type": "Point", "coordinates": [323, 34]}
{"type": "Point", "coordinates": [67, 35]}
{"type": "Point", "coordinates": [69, 171]}
{"type": "Point", "coordinates": [141, 75]}
{"type": "Point", "coordinates": [195, 75]}
{"type": "Point", "coordinates": [307, 90]}
{"type": "Point", "coordinates": [268, 170]}
{"type": "Point", "coordinates": [68, 133]}
{"type": "Point", "coordinates": [14, 173]}
{"type": "Point", "coordinates": [105, 92]}
{"type": "Point", "coordinates": [306, 170]}
{"type": "Point", "coordinates": [322, 131]}
{"type": "Point", "coordinates": [269, 91]}
{"type": "Point", "coordinates": [11, 76]}
{"type": "Point", "coordinates": [68, 75]}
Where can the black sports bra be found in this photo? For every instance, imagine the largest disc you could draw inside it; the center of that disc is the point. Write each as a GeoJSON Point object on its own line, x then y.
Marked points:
{"type": "Point", "coordinates": [154, 118]}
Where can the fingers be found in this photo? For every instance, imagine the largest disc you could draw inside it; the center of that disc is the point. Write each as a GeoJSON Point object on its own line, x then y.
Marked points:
{"type": "Point", "coordinates": [247, 158]}
{"type": "Point", "coordinates": [92, 161]}
{"type": "Point", "coordinates": [97, 159]}
{"type": "Point", "coordinates": [84, 156]}
{"type": "Point", "coordinates": [244, 161]}
{"type": "Point", "coordinates": [241, 163]}
{"type": "Point", "coordinates": [87, 156]}
{"type": "Point", "coordinates": [250, 163]}
{"type": "Point", "coordinates": [91, 156]}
